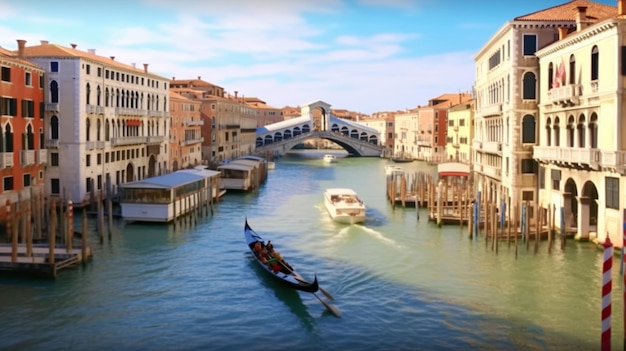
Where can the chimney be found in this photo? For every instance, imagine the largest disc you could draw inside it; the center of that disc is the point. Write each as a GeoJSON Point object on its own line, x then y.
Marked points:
{"type": "Point", "coordinates": [21, 43]}
{"type": "Point", "coordinates": [91, 51]}
{"type": "Point", "coordinates": [620, 8]}
{"type": "Point", "coordinates": [145, 67]}
{"type": "Point", "coordinates": [73, 46]}
{"type": "Point", "coordinates": [133, 64]}
{"type": "Point", "coordinates": [236, 94]}
{"type": "Point", "coordinates": [562, 32]}
{"type": "Point", "coordinates": [581, 18]}
{"type": "Point", "coordinates": [44, 42]}
{"type": "Point", "coordinates": [199, 78]}
{"type": "Point", "coordinates": [112, 58]}
{"type": "Point", "coordinates": [173, 78]}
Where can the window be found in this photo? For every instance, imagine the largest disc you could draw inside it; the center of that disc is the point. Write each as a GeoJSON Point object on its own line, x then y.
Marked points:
{"type": "Point", "coordinates": [28, 79]}
{"type": "Point", "coordinates": [99, 159]}
{"type": "Point", "coordinates": [88, 184]}
{"type": "Point", "coordinates": [572, 69]}
{"type": "Point", "coordinates": [529, 86]}
{"type": "Point", "coordinates": [54, 159]}
{"type": "Point", "coordinates": [28, 108]}
{"type": "Point", "coordinates": [88, 69]}
{"type": "Point", "coordinates": [612, 192]}
{"type": "Point", "coordinates": [529, 166]}
{"type": "Point", "coordinates": [6, 74]}
{"type": "Point", "coordinates": [26, 178]}
{"type": "Point", "coordinates": [542, 177]}
{"type": "Point", "coordinates": [99, 182]}
{"type": "Point", "coordinates": [528, 129]}
{"type": "Point", "coordinates": [595, 63]}
{"type": "Point", "coordinates": [550, 75]}
{"type": "Point", "coordinates": [528, 196]}
{"type": "Point", "coordinates": [7, 183]}
{"type": "Point", "coordinates": [88, 160]}
{"type": "Point", "coordinates": [54, 66]}
{"type": "Point", "coordinates": [8, 107]}
{"type": "Point", "coordinates": [555, 174]}
{"type": "Point", "coordinates": [530, 44]}
{"type": "Point", "coordinates": [55, 186]}
{"type": "Point", "coordinates": [99, 71]}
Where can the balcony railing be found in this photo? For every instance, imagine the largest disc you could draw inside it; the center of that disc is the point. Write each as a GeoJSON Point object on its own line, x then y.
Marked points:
{"type": "Point", "coordinates": [42, 156]}
{"type": "Point", "coordinates": [192, 141]}
{"type": "Point", "coordinates": [52, 106]}
{"type": "Point", "coordinates": [565, 95]}
{"type": "Point", "coordinates": [128, 140]}
{"type": "Point", "coordinates": [52, 143]}
{"type": "Point", "coordinates": [491, 110]}
{"type": "Point", "coordinates": [153, 113]}
{"type": "Point", "coordinates": [194, 123]}
{"type": "Point", "coordinates": [569, 155]}
{"type": "Point", "coordinates": [27, 157]}
{"type": "Point", "coordinates": [7, 159]}
{"type": "Point", "coordinates": [492, 171]}
{"type": "Point", "coordinates": [614, 159]}
{"type": "Point", "coordinates": [95, 109]}
{"type": "Point", "coordinates": [155, 139]}
{"type": "Point", "coordinates": [494, 147]}
{"type": "Point", "coordinates": [129, 111]}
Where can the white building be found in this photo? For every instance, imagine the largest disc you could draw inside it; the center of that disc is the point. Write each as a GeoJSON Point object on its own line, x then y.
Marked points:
{"type": "Point", "coordinates": [104, 119]}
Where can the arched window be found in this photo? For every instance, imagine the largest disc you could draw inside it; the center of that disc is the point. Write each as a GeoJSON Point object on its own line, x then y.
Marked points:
{"type": "Point", "coordinates": [528, 129]}
{"type": "Point", "coordinates": [54, 91]}
{"type": "Point", "coordinates": [8, 133]}
{"type": "Point", "coordinates": [593, 131]}
{"type": "Point", "coordinates": [98, 127]}
{"type": "Point", "coordinates": [570, 131]}
{"type": "Point", "coordinates": [557, 132]}
{"type": "Point", "coordinates": [550, 75]}
{"type": "Point", "coordinates": [580, 128]}
{"type": "Point", "coordinates": [30, 138]}
{"type": "Point", "coordinates": [88, 93]}
{"type": "Point", "coordinates": [87, 129]}
{"type": "Point", "coordinates": [117, 98]}
{"type": "Point", "coordinates": [595, 63]}
{"type": "Point", "coordinates": [107, 133]}
{"type": "Point", "coordinates": [572, 70]}
{"type": "Point", "coordinates": [530, 91]}
{"type": "Point", "coordinates": [54, 128]}
{"type": "Point", "coordinates": [98, 96]}
{"type": "Point", "coordinates": [106, 97]}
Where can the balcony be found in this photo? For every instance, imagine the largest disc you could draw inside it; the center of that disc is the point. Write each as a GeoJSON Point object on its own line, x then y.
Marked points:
{"type": "Point", "coordinates": [493, 147]}
{"type": "Point", "coordinates": [94, 109]}
{"type": "Point", "coordinates": [192, 141]}
{"type": "Point", "coordinates": [491, 110]}
{"type": "Point", "coordinates": [52, 106]}
{"type": "Point", "coordinates": [567, 95]}
{"type": "Point", "coordinates": [194, 123]}
{"type": "Point", "coordinates": [569, 155]}
{"type": "Point", "coordinates": [27, 157]}
{"type": "Point", "coordinates": [153, 113]}
{"type": "Point", "coordinates": [492, 171]}
{"type": "Point", "coordinates": [133, 140]}
{"type": "Point", "coordinates": [42, 156]}
{"type": "Point", "coordinates": [52, 143]}
{"type": "Point", "coordinates": [7, 159]}
{"type": "Point", "coordinates": [614, 159]}
{"type": "Point", "coordinates": [155, 139]}
{"type": "Point", "coordinates": [129, 111]}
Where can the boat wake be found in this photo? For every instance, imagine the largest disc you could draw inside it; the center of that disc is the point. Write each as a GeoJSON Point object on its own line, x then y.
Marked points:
{"type": "Point", "coordinates": [379, 236]}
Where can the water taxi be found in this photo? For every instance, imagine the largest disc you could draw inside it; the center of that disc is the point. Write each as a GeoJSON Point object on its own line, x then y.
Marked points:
{"type": "Point", "coordinates": [344, 206]}
{"type": "Point", "coordinates": [329, 158]}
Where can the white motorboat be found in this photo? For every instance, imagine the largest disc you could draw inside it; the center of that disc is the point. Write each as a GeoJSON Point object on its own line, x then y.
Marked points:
{"type": "Point", "coordinates": [392, 169]}
{"type": "Point", "coordinates": [344, 206]}
{"type": "Point", "coordinates": [329, 158]}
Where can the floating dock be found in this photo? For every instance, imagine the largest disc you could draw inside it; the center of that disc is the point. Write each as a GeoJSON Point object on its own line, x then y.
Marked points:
{"type": "Point", "coordinates": [38, 262]}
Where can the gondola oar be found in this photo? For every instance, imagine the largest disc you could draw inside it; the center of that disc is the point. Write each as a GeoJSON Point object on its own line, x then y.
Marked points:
{"type": "Point", "coordinates": [300, 279]}
{"type": "Point", "coordinates": [332, 308]}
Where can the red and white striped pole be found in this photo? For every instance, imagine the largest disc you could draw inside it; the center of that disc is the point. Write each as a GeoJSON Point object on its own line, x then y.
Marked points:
{"type": "Point", "coordinates": [606, 294]}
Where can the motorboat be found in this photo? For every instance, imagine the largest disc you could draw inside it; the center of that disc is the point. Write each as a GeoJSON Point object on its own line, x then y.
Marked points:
{"type": "Point", "coordinates": [344, 206]}
{"type": "Point", "coordinates": [329, 158]}
{"type": "Point", "coordinates": [392, 169]}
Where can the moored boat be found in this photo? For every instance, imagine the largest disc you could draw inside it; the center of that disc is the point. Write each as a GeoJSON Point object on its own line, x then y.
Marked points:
{"type": "Point", "coordinates": [276, 266]}
{"type": "Point", "coordinates": [391, 169]}
{"type": "Point", "coordinates": [344, 206]}
{"type": "Point", "coordinates": [329, 158]}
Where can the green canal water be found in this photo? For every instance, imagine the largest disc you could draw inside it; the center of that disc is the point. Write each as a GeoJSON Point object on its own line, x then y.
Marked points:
{"type": "Point", "coordinates": [400, 283]}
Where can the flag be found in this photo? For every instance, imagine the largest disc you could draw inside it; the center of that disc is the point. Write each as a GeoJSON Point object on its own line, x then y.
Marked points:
{"type": "Point", "coordinates": [559, 77]}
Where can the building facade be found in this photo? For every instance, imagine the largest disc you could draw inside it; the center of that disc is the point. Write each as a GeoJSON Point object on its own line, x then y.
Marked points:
{"type": "Point", "coordinates": [582, 80]}
{"type": "Point", "coordinates": [185, 132]}
{"type": "Point", "coordinates": [384, 123]}
{"type": "Point", "coordinates": [104, 120]}
{"type": "Point", "coordinates": [22, 151]}
{"type": "Point", "coordinates": [507, 97]}
{"type": "Point", "coordinates": [460, 132]}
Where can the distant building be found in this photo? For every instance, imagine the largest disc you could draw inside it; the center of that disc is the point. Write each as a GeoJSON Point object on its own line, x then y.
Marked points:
{"type": "Point", "coordinates": [22, 147]}
{"type": "Point", "coordinates": [384, 123]}
{"type": "Point", "coordinates": [104, 119]}
{"type": "Point", "coordinates": [185, 132]}
{"type": "Point", "coordinates": [460, 132]}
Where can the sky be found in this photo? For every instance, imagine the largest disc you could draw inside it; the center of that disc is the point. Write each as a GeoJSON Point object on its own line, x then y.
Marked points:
{"type": "Point", "coordinates": [364, 55]}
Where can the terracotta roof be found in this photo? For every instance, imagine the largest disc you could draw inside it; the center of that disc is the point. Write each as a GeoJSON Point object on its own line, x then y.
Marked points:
{"type": "Point", "coordinates": [195, 82]}
{"type": "Point", "coordinates": [12, 56]}
{"type": "Point", "coordinates": [568, 11]}
{"type": "Point", "coordinates": [55, 50]}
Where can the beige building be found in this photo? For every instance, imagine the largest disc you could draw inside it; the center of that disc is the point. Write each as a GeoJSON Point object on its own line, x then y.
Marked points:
{"type": "Point", "coordinates": [582, 82]}
{"type": "Point", "coordinates": [185, 132]}
{"type": "Point", "coordinates": [384, 123]}
{"type": "Point", "coordinates": [460, 132]}
{"type": "Point", "coordinates": [407, 137]}
{"type": "Point", "coordinates": [507, 96]}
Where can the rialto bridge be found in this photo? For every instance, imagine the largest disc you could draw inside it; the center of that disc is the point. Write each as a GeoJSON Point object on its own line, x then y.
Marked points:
{"type": "Point", "coordinates": [357, 139]}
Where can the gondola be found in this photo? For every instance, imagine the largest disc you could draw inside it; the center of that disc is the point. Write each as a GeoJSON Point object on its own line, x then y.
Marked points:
{"type": "Point", "coordinates": [286, 273]}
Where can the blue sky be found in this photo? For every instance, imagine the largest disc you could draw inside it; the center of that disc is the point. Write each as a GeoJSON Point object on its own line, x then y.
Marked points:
{"type": "Point", "coordinates": [362, 55]}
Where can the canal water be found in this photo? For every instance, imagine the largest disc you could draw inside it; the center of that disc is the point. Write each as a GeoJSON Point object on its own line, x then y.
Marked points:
{"type": "Point", "coordinates": [400, 282]}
